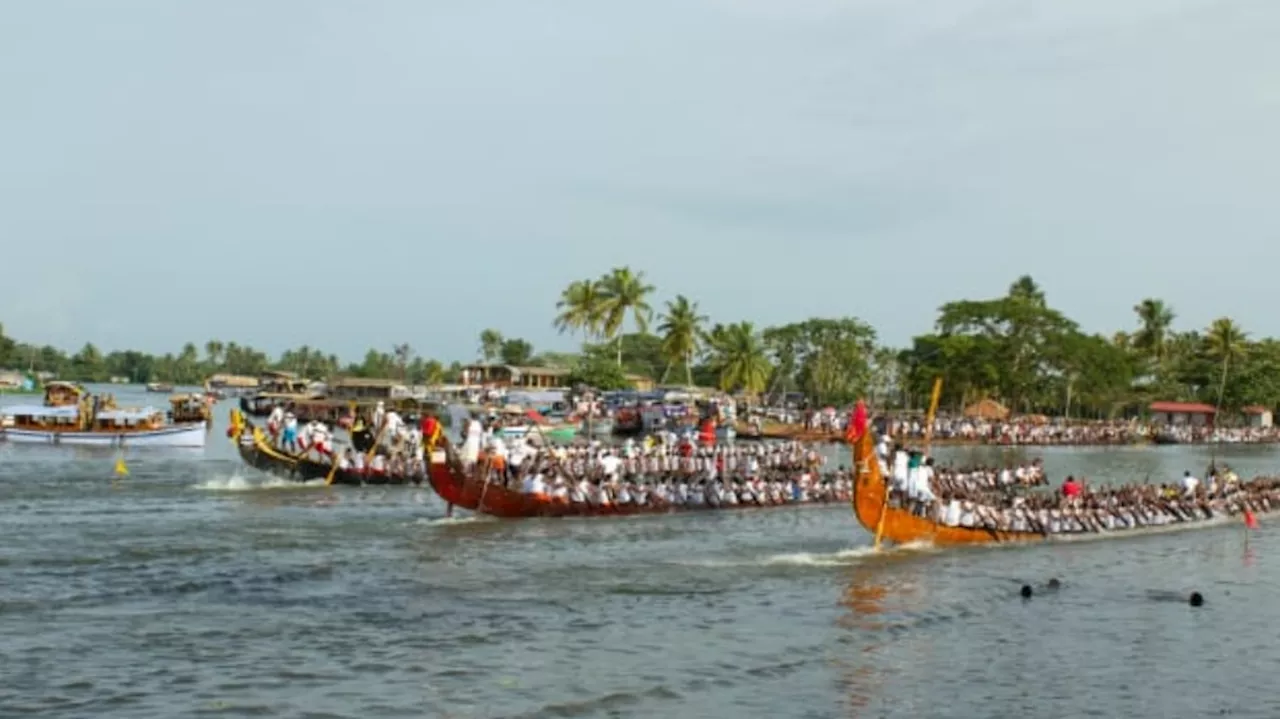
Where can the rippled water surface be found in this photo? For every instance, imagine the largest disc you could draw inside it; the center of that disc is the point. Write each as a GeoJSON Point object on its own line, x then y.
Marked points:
{"type": "Point", "coordinates": [197, 587]}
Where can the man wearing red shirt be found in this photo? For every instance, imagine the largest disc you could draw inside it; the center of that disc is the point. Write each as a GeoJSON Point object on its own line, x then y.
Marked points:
{"type": "Point", "coordinates": [1070, 487]}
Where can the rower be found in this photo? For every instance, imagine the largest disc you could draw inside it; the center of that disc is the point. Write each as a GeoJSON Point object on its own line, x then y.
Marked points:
{"type": "Point", "coordinates": [1189, 484]}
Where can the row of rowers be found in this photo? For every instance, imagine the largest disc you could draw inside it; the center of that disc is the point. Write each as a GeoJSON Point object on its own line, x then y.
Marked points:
{"type": "Point", "coordinates": [653, 457]}
{"type": "Point", "coordinates": [914, 476]}
{"type": "Point", "coordinates": [1080, 507]}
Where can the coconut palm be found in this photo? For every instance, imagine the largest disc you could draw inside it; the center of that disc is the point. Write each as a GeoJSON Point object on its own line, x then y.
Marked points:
{"type": "Point", "coordinates": [624, 293]}
{"type": "Point", "coordinates": [213, 350]}
{"type": "Point", "coordinates": [581, 308]}
{"type": "Point", "coordinates": [1152, 337]}
{"type": "Point", "coordinates": [1226, 341]}
{"type": "Point", "coordinates": [681, 330]}
{"type": "Point", "coordinates": [738, 356]}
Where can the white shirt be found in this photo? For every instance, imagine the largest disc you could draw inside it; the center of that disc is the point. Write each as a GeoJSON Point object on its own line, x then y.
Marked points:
{"type": "Point", "coordinates": [609, 463]}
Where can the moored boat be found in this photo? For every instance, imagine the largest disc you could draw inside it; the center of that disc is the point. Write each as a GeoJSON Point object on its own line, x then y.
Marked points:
{"type": "Point", "coordinates": [72, 425]}
{"type": "Point", "coordinates": [190, 408]}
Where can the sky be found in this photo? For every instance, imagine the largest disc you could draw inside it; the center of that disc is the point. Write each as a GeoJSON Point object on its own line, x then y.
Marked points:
{"type": "Point", "coordinates": [352, 174]}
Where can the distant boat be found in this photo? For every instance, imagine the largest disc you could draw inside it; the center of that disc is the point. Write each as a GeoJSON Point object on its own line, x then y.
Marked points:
{"type": "Point", "coordinates": [144, 426]}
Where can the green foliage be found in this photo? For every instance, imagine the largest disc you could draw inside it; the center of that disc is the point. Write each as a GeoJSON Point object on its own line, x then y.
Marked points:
{"type": "Point", "coordinates": [516, 352]}
{"type": "Point", "coordinates": [599, 372]}
{"type": "Point", "coordinates": [642, 353]}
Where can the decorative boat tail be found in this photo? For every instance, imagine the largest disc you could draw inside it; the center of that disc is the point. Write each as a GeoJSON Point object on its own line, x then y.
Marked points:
{"type": "Point", "coordinates": [871, 507]}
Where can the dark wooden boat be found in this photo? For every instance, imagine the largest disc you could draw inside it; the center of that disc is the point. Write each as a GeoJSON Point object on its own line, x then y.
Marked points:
{"type": "Point", "coordinates": [256, 451]}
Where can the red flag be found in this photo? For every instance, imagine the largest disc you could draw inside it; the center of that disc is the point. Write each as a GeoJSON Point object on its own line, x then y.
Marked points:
{"type": "Point", "coordinates": [1250, 521]}
{"type": "Point", "coordinates": [857, 423]}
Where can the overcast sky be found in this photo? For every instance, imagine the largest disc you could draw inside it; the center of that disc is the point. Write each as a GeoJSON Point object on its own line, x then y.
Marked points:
{"type": "Point", "coordinates": [348, 174]}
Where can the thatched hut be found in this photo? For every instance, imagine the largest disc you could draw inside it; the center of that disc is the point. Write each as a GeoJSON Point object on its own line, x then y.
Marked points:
{"type": "Point", "coordinates": [987, 409]}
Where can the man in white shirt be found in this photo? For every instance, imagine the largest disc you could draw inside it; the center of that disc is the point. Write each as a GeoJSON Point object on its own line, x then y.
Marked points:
{"type": "Point", "coordinates": [1189, 484]}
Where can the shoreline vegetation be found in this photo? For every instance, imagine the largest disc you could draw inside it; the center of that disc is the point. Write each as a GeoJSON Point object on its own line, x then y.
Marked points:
{"type": "Point", "coordinates": [1013, 348]}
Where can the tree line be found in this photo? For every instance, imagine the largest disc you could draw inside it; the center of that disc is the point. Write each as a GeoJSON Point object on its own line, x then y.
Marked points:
{"type": "Point", "coordinates": [1014, 348]}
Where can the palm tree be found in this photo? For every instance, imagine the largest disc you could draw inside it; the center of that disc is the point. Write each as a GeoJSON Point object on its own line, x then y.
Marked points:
{"type": "Point", "coordinates": [681, 330]}
{"type": "Point", "coordinates": [581, 308]}
{"type": "Point", "coordinates": [738, 355]}
{"type": "Point", "coordinates": [624, 292]}
{"type": "Point", "coordinates": [213, 349]}
{"type": "Point", "coordinates": [1152, 338]}
{"type": "Point", "coordinates": [490, 344]}
{"type": "Point", "coordinates": [1227, 341]}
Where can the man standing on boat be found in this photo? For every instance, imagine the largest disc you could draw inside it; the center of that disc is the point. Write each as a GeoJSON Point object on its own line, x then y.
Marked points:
{"type": "Point", "coordinates": [1189, 484]}
{"type": "Point", "coordinates": [274, 422]}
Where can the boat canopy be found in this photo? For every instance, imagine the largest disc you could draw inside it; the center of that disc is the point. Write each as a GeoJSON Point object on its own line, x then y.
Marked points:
{"type": "Point", "coordinates": [37, 410]}
{"type": "Point", "coordinates": [133, 414]}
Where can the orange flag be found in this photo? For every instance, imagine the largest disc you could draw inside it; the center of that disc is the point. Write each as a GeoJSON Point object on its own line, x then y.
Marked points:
{"type": "Point", "coordinates": [1250, 521]}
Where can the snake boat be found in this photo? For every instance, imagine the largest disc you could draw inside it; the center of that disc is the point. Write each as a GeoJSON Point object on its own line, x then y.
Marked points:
{"type": "Point", "coordinates": [470, 491]}
{"type": "Point", "coordinates": [257, 452]}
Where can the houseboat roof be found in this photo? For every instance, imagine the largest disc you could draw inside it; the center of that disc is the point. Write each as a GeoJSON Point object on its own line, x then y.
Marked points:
{"type": "Point", "coordinates": [278, 374]}
{"type": "Point", "coordinates": [131, 414]}
{"type": "Point", "coordinates": [39, 410]}
{"type": "Point", "coordinates": [364, 382]}
{"type": "Point", "coordinates": [233, 380]}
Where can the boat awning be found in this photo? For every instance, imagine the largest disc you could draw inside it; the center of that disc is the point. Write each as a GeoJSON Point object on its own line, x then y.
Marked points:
{"type": "Point", "coordinates": [128, 415]}
{"type": "Point", "coordinates": [37, 410]}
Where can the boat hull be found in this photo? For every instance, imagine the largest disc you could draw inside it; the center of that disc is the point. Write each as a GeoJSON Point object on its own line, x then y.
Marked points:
{"type": "Point", "coordinates": [184, 435]}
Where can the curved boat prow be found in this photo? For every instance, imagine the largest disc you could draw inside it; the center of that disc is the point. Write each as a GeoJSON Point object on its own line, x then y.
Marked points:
{"type": "Point", "coordinates": [899, 525]}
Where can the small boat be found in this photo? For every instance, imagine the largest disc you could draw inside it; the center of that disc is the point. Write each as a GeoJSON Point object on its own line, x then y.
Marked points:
{"type": "Point", "coordinates": [159, 387]}
{"type": "Point", "coordinates": [74, 425]}
{"type": "Point", "coordinates": [191, 408]}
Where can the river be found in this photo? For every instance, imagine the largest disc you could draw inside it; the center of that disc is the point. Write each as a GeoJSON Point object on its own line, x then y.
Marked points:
{"type": "Point", "coordinates": [197, 587]}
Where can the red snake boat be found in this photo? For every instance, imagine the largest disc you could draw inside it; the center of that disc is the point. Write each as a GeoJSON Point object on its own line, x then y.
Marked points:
{"type": "Point", "coordinates": [470, 491]}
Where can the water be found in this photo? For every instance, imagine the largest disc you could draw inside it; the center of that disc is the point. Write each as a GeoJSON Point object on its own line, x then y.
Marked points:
{"type": "Point", "coordinates": [196, 587]}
